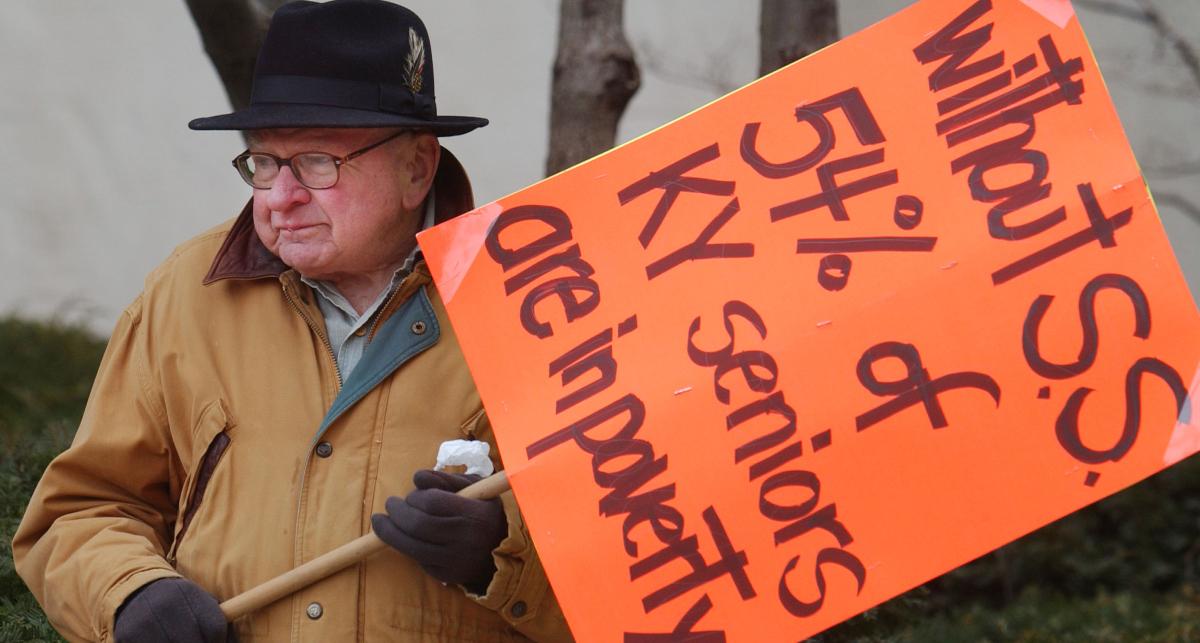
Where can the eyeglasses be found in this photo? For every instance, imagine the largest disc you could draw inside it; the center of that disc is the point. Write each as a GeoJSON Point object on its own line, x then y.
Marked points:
{"type": "Point", "coordinates": [314, 170]}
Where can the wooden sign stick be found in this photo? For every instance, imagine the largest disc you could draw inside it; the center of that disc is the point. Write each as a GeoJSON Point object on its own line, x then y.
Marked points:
{"type": "Point", "coordinates": [338, 559]}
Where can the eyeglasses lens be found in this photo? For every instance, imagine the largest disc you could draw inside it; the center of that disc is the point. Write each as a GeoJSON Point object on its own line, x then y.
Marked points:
{"type": "Point", "coordinates": [316, 171]}
{"type": "Point", "coordinates": [258, 170]}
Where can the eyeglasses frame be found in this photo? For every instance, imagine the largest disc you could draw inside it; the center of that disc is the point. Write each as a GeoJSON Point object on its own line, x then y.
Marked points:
{"type": "Point", "coordinates": [338, 161]}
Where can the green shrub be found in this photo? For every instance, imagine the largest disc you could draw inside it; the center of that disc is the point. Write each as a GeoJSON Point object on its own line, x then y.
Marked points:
{"type": "Point", "coordinates": [46, 371]}
{"type": "Point", "coordinates": [1124, 569]}
{"type": "Point", "coordinates": [1037, 616]}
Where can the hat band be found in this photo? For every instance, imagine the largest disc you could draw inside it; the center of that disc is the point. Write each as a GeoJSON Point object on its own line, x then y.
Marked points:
{"type": "Point", "coordinates": [336, 92]}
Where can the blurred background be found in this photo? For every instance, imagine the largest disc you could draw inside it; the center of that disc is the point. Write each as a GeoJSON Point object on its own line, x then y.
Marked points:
{"type": "Point", "coordinates": [102, 179]}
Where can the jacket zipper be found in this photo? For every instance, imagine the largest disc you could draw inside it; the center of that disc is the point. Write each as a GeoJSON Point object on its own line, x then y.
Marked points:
{"type": "Point", "coordinates": [380, 311]}
{"type": "Point", "coordinates": [329, 349]}
{"type": "Point", "coordinates": [287, 292]}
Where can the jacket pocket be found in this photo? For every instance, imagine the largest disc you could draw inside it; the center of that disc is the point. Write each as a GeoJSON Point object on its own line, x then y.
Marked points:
{"type": "Point", "coordinates": [211, 431]}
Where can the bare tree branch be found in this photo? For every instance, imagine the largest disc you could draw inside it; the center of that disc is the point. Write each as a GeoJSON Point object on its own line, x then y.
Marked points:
{"type": "Point", "coordinates": [1150, 15]}
{"type": "Point", "coordinates": [1114, 8]}
{"type": "Point", "coordinates": [1182, 46]}
{"type": "Point", "coordinates": [232, 32]}
{"type": "Point", "coordinates": [595, 76]}
{"type": "Point", "coordinates": [1181, 203]}
{"type": "Point", "coordinates": [792, 29]}
{"type": "Point", "coordinates": [710, 74]}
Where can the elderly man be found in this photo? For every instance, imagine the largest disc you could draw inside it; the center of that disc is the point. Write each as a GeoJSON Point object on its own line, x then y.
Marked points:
{"type": "Point", "coordinates": [284, 381]}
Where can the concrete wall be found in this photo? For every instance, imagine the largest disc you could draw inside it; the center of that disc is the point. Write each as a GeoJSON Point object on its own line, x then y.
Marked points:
{"type": "Point", "coordinates": [102, 178]}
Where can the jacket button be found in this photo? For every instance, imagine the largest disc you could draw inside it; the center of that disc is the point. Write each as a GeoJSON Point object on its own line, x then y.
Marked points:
{"type": "Point", "coordinates": [418, 327]}
{"type": "Point", "coordinates": [324, 449]}
{"type": "Point", "coordinates": [314, 610]}
{"type": "Point", "coordinates": [518, 609]}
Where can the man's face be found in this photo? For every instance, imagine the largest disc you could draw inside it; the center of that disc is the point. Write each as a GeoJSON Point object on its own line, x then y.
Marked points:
{"type": "Point", "coordinates": [361, 227]}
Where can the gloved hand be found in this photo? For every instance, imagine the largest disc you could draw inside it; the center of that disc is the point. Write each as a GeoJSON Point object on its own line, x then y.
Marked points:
{"type": "Point", "coordinates": [171, 610]}
{"type": "Point", "coordinates": [450, 536]}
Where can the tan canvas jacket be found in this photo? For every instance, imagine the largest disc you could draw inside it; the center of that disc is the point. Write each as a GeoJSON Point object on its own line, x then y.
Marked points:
{"type": "Point", "coordinates": [198, 456]}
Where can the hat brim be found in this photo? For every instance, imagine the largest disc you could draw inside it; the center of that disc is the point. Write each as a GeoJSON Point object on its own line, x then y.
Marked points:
{"type": "Point", "coordinates": [280, 115]}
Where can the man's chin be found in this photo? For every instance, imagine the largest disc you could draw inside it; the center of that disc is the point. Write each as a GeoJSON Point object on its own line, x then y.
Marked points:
{"type": "Point", "coordinates": [303, 262]}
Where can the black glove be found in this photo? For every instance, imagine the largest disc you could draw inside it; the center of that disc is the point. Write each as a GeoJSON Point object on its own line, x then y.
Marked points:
{"type": "Point", "coordinates": [450, 536]}
{"type": "Point", "coordinates": [173, 610]}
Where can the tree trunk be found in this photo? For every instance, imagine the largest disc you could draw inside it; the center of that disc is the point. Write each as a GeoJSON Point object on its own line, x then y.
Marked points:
{"type": "Point", "coordinates": [232, 32]}
{"type": "Point", "coordinates": [792, 29]}
{"type": "Point", "coordinates": [595, 76]}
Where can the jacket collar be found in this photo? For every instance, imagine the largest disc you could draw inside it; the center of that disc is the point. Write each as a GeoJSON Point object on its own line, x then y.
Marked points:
{"type": "Point", "coordinates": [243, 256]}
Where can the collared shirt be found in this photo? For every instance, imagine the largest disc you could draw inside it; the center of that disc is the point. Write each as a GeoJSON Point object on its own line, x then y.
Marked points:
{"type": "Point", "coordinates": [345, 327]}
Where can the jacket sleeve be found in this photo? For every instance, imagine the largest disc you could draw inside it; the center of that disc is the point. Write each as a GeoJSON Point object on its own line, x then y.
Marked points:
{"type": "Point", "coordinates": [99, 521]}
{"type": "Point", "coordinates": [520, 591]}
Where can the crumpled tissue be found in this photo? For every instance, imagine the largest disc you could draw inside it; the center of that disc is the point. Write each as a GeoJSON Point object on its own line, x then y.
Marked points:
{"type": "Point", "coordinates": [473, 454]}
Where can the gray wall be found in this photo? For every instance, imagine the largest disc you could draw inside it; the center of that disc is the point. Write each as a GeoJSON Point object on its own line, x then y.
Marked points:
{"type": "Point", "coordinates": [102, 177]}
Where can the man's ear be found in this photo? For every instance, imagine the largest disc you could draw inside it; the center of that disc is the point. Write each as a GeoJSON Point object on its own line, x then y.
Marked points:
{"type": "Point", "coordinates": [423, 164]}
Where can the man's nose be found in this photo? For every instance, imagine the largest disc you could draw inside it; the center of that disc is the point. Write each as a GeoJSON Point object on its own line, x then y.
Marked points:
{"type": "Point", "coordinates": [286, 191]}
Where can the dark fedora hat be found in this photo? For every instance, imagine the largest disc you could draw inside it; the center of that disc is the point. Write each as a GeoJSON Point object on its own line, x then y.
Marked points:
{"type": "Point", "coordinates": [344, 63]}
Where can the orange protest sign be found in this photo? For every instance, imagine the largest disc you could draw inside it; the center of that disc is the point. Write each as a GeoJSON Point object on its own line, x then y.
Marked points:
{"type": "Point", "coordinates": [835, 334]}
